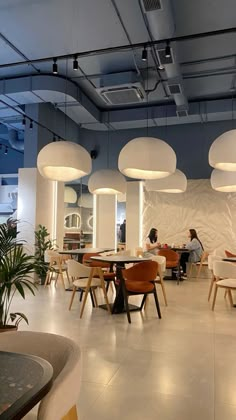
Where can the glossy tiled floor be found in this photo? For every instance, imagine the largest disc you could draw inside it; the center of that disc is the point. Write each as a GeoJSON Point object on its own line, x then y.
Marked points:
{"type": "Point", "coordinates": [179, 368]}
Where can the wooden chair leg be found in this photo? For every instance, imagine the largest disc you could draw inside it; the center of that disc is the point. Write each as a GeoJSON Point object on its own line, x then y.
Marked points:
{"type": "Point", "coordinates": [225, 294]}
{"type": "Point", "coordinates": [86, 293]}
{"type": "Point", "coordinates": [199, 270]}
{"type": "Point", "coordinates": [62, 279]}
{"type": "Point", "coordinates": [143, 302]}
{"type": "Point", "coordinates": [57, 275]}
{"type": "Point", "coordinates": [94, 297]}
{"type": "Point", "coordinates": [126, 301]}
{"type": "Point", "coordinates": [72, 297]}
{"type": "Point", "coordinates": [214, 297]}
{"type": "Point", "coordinates": [230, 297]}
{"type": "Point", "coordinates": [164, 292]}
{"type": "Point", "coordinates": [211, 287]}
{"type": "Point", "coordinates": [104, 289]}
{"type": "Point", "coordinates": [71, 415]}
{"type": "Point", "coordinates": [157, 302]}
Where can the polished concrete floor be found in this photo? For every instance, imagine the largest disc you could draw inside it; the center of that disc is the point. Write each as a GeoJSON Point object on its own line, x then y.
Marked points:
{"type": "Point", "coordinates": [181, 367]}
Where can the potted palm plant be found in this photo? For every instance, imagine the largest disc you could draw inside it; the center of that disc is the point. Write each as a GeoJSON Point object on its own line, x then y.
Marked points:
{"type": "Point", "coordinates": [42, 244]}
{"type": "Point", "coordinates": [15, 269]}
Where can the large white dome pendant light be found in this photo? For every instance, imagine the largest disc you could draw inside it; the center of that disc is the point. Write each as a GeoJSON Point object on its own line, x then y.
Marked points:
{"type": "Point", "coordinates": [107, 181]}
{"type": "Point", "coordinates": [222, 153]}
{"type": "Point", "coordinates": [223, 181]}
{"type": "Point", "coordinates": [63, 161]}
{"type": "Point", "coordinates": [70, 195]}
{"type": "Point", "coordinates": [175, 183]}
{"type": "Point", "coordinates": [147, 158]}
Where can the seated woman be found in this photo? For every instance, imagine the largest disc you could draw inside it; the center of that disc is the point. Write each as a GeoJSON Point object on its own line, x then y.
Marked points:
{"type": "Point", "coordinates": [195, 249]}
{"type": "Point", "coordinates": [151, 243]}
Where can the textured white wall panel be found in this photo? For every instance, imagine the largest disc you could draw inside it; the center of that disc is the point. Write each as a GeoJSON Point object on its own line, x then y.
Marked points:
{"type": "Point", "coordinates": [211, 213]}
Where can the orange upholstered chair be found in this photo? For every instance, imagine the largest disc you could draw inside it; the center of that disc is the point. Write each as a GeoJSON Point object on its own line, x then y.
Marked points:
{"type": "Point", "coordinates": [139, 280]}
{"type": "Point", "coordinates": [172, 258]}
{"type": "Point", "coordinates": [108, 275]}
{"type": "Point", "coordinates": [229, 254]}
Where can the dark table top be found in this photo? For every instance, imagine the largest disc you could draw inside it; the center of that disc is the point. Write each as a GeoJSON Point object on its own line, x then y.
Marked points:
{"type": "Point", "coordinates": [24, 381]}
{"type": "Point", "coordinates": [120, 259]}
{"type": "Point", "coordinates": [85, 251]}
{"type": "Point", "coordinates": [230, 259]}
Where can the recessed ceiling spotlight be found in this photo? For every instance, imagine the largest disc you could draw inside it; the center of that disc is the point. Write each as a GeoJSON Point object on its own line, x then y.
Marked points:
{"type": "Point", "coordinates": [75, 63]}
{"type": "Point", "coordinates": [54, 66]}
{"type": "Point", "coordinates": [166, 96]}
{"type": "Point", "coordinates": [6, 150]}
{"type": "Point", "coordinates": [167, 50]}
{"type": "Point", "coordinates": [144, 54]}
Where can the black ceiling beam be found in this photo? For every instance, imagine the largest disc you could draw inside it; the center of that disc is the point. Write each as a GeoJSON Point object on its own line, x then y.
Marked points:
{"type": "Point", "coordinates": [126, 47]}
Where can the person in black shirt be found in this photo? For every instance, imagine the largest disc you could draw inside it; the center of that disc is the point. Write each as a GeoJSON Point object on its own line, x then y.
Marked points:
{"type": "Point", "coordinates": [123, 231]}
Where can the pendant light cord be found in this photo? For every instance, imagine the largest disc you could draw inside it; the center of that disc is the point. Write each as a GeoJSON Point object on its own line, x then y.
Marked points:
{"type": "Point", "coordinates": [108, 138]}
{"type": "Point", "coordinates": [147, 92]}
{"type": "Point", "coordinates": [66, 98]}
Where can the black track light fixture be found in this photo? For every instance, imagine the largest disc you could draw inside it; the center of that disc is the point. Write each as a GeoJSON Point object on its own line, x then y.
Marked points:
{"type": "Point", "coordinates": [54, 66]}
{"type": "Point", "coordinates": [31, 125]}
{"type": "Point", "coordinates": [23, 121]}
{"type": "Point", "coordinates": [167, 50]}
{"type": "Point", "coordinates": [6, 150]}
{"type": "Point", "coordinates": [144, 53]}
{"type": "Point", "coordinates": [75, 63]}
{"type": "Point", "coordinates": [54, 138]}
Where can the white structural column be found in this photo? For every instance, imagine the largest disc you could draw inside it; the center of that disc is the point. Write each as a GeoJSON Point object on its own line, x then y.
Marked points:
{"type": "Point", "coordinates": [40, 201]}
{"type": "Point", "coordinates": [104, 226]}
{"type": "Point", "coordinates": [134, 215]}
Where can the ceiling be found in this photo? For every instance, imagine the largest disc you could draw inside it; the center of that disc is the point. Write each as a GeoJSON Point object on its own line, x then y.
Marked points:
{"type": "Point", "coordinates": [33, 32]}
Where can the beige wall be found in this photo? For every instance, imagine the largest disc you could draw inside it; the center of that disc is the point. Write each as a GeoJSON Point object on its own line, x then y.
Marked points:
{"type": "Point", "coordinates": [211, 213]}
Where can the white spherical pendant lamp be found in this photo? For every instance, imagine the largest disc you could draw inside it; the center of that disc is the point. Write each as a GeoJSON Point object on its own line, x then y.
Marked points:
{"type": "Point", "coordinates": [223, 181]}
{"type": "Point", "coordinates": [63, 161]}
{"type": "Point", "coordinates": [147, 158]}
{"type": "Point", "coordinates": [70, 195]}
{"type": "Point", "coordinates": [86, 201]}
{"type": "Point", "coordinates": [175, 183]}
{"type": "Point", "coordinates": [222, 153]}
{"type": "Point", "coordinates": [107, 181]}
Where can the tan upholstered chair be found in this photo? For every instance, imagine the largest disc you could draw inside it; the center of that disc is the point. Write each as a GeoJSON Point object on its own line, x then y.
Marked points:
{"type": "Point", "coordinates": [211, 259]}
{"type": "Point", "coordinates": [161, 260]}
{"type": "Point", "coordinates": [65, 358]}
{"type": "Point", "coordinates": [86, 279]}
{"type": "Point", "coordinates": [199, 265]}
{"type": "Point", "coordinates": [57, 266]}
{"type": "Point", "coordinates": [227, 272]}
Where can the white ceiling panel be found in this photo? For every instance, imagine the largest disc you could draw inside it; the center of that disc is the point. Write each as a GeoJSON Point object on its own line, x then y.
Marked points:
{"type": "Point", "coordinates": [79, 114]}
{"type": "Point", "coordinates": [24, 97]}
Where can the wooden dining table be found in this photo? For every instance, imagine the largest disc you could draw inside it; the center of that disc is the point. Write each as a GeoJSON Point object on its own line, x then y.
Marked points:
{"type": "Point", "coordinates": [119, 260]}
{"type": "Point", "coordinates": [24, 381]}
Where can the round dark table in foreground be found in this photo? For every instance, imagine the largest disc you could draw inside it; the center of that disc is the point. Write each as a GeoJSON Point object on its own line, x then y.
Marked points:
{"type": "Point", "coordinates": [24, 381]}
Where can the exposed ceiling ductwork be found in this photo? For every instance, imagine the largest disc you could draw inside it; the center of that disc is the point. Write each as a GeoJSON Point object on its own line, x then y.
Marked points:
{"type": "Point", "coordinates": [15, 141]}
{"type": "Point", "coordinates": [161, 24]}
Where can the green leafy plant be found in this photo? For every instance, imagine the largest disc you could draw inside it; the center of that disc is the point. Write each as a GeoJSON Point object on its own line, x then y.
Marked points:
{"type": "Point", "coordinates": [15, 269]}
{"type": "Point", "coordinates": [42, 244]}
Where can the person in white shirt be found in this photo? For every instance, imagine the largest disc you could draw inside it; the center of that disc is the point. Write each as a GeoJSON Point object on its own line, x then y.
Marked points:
{"type": "Point", "coordinates": [152, 243]}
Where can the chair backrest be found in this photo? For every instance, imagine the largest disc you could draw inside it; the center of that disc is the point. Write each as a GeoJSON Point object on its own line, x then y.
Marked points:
{"type": "Point", "coordinates": [204, 256]}
{"type": "Point", "coordinates": [91, 263]}
{"type": "Point", "coordinates": [211, 259]}
{"type": "Point", "coordinates": [49, 253]}
{"type": "Point", "coordinates": [224, 269]}
{"type": "Point", "coordinates": [77, 270]}
{"type": "Point", "coordinates": [65, 358]}
{"type": "Point", "coordinates": [229, 254]}
{"type": "Point", "coordinates": [169, 254]}
{"type": "Point", "coordinates": [144, 271]}
{"type": "Point", "coordinates": [161, 262]}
